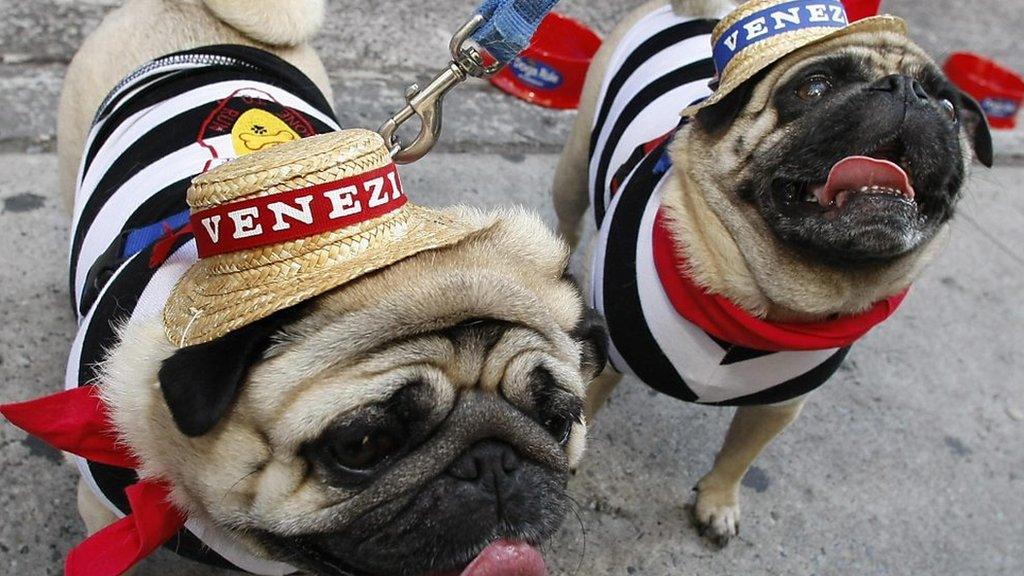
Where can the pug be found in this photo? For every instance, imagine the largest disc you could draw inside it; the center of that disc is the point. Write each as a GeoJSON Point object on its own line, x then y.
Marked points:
{"type": "Point", "coordinates": [743, 246]}
{"type": "Point", "coordinates": [420, 419]}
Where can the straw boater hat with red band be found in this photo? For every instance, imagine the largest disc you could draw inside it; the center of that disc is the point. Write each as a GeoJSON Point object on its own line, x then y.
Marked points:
{"type": "Point", "coordinates": [761, 32]}
{"type": "Point", "coordinates": [276, 228]}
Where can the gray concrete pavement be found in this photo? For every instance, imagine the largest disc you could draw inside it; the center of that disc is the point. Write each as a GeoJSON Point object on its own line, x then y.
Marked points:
{"type": "Point", "coordinates": [910, 462]}
{"type": "Point", "coordinates": [372, 54]}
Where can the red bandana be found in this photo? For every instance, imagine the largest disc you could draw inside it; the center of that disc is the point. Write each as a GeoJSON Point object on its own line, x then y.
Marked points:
{"type": "Point", "coordinates": [724, 320]}
{"type": "Point", "coordinates": [76, 421]}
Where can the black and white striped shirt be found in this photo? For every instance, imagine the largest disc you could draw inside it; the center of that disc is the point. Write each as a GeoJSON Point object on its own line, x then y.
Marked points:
{"type": "Point", "coordinates": [170, 120]}
{"type": "Point", "coordinates": [662, 65]}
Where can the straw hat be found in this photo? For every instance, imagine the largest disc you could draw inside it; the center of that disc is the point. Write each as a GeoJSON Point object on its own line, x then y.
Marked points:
{"type": "Point", "coordinates": [759, 33]}
{"type": "Point", "coordinates": [280, 226]}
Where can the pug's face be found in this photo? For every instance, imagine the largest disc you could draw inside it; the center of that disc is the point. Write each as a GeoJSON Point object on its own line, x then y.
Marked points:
{"type": "Point", "coordinates": [417, 421]}
{"type": "Point", "coordinates": [461, 439]}
{"type": "Point", "coordinates": [852, 151]}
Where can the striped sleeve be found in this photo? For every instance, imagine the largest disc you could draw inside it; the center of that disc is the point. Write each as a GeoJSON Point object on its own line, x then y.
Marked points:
{"type": "Point", "coordinates": [662, 65]}
{"type": "Point", "coordinates": [174, 118]}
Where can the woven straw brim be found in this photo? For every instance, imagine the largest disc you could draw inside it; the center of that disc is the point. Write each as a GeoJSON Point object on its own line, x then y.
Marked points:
{"type": "Point", "coordinates": [762, 55]}
{"type": "Point", "coordinates": [297, 164]}
{"type": "Point", "coordinates": [224, 293]}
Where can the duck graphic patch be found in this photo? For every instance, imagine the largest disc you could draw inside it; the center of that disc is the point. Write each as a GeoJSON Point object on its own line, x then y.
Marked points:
{"type": "Point", "coordinates": [257, 129]}
{"type": "Point", "coordinates": [251, 120]}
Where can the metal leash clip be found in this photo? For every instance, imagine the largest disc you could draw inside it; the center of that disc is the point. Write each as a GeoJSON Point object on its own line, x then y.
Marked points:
{"type": "Point", "coordinates": [427, 103]}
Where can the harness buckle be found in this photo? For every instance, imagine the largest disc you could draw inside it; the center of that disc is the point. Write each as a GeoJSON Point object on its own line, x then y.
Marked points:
{"type": "Point", "coordinates": [427, 103]}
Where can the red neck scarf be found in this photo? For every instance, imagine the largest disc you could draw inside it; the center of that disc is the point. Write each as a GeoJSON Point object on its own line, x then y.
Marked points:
{"type": "Point", "coordinates": [724, 320]}
{"type": "Point", "coordinates": [76, 421]}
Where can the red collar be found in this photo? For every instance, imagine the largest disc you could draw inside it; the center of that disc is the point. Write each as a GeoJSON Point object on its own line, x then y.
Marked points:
{"type": "Point", "coordinates": [76, 421]}
{"type": "Point", "coordinates": [726, 321]}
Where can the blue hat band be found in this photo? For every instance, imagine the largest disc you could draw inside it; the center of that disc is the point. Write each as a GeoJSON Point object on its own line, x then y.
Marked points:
{"type": "Point", "coordinates": [774, 21]}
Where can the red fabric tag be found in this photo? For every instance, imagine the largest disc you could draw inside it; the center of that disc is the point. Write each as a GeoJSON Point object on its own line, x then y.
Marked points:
{"type": "Point", "coordinates": [74, 421]}
{"type": "Point", "coordinates": [118, 547]}
{"type": "Point", "coordinates": [650, 146]}
{"type": "Point", "coordinates": [724, 320]}
{"type": "Point", "coordinates": [162, 248]}
{"type": "Point", "coordinates": [298, 213]}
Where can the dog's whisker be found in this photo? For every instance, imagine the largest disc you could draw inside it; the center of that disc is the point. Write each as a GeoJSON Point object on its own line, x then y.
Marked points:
{"type": "Point", "coordinates": [575, 507]}
{"type": "Point", "coordinates": [237, 482]}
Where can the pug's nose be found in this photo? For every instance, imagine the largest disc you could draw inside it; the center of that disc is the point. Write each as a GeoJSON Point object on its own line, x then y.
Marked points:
{"type": "Point", "coordinates": [900, 84]}
{"type": "Point", "coordinates": [490, 463]}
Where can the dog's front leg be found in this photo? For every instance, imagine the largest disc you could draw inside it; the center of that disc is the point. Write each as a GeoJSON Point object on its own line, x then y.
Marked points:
{"type": "Point", "coordinates": [569, 191]}
{"type": "Point", "coordinates": [95, 515]}
{"type": "Point", "coordinates": [717, 511]}
{"type": "Point", "coordinates": [599, 390]}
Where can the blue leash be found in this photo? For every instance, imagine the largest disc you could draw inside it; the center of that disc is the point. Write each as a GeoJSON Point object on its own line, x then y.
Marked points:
{"type": "Point", "coordinates": [509, 25]}
{"type": "Point", "coordinates": [503, 28]}
{"type": "Point", "coordinates": [506, 30]}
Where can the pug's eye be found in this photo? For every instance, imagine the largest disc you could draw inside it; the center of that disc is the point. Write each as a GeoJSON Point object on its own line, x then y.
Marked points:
{"type": "Point", "coordinates": [814, 87]}
{"type": "Point", "coordinates": [947, 106]}
{"type": "Point", "coordinates": [365, 452]}
{"type": "Point", "coordinates": [560, 427]}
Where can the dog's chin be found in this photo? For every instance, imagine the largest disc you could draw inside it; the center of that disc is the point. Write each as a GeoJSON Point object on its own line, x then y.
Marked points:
{"type": "Point", "coordinates": [868, 226]}
{"type": "Point", "coordinates": [861, 209]}
{"type": "Point", "coordinates": [447, 527]}
{"type": "Point", "coordinates": [499, 556]}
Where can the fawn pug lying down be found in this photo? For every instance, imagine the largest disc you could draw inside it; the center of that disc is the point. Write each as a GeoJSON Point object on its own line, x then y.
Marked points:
{"type": "Point", "coordinates": [315, 374]}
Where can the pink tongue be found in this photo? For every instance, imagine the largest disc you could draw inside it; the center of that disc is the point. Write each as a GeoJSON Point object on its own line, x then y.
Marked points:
{"type": "Point", "coordinates": [505, 558]}
{"type": "Point", "coordinates": [853, 173]}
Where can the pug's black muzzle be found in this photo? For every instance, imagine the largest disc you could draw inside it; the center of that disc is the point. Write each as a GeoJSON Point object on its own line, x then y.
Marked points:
{"type": "Point", "coordinates": [893, 119]}
{"type": "Point", "coordinates": [507, 483]}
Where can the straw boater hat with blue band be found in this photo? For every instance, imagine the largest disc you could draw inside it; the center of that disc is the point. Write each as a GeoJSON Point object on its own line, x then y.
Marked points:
{"type": "Point", "coordinates": [761, 32]}
{"type": "Point", "coordinates": [283, 225]}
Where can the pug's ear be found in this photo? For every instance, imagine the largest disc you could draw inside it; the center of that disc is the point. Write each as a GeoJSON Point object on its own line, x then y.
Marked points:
{"type": "Point", "coordinates": [720, 115]}
{"type": "Point", "coordinates": [977, 128]}
{"type": "Point", "coordinates": [593, 337]}
{"type": "Point", "coordinates": [200, 382]}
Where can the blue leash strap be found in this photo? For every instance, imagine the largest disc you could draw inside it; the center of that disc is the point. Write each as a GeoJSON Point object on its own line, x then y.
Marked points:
{"type": "Point", "coordinates": [509, 25]}
{"type": "Point", "coordinates": [503, 28]}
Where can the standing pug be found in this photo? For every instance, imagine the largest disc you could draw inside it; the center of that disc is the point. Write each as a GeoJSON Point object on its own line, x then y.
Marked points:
{"type": "Point", "coordinates": [744, 245]}
{"type": "Point", "coordinates": [281, 363]}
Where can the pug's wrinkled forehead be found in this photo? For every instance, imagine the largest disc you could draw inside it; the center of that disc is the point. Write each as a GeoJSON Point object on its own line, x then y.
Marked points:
{"type": "Point", "coordinates": [871, 55]}
{"type": "Point", "coordinates": [441, 345]}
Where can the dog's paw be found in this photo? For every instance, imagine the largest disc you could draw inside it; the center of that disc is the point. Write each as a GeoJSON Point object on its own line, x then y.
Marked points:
{"type": "Point", "coordinates": [716, 513]}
